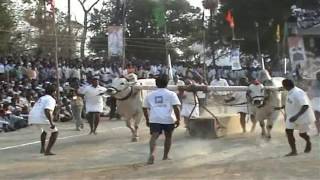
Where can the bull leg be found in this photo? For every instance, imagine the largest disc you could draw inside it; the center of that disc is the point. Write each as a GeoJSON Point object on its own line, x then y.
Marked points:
{"type": "Point", "coordinates": [128, 123]}
{"type": "Point", "coordinates": [263, 128]}
{"type": "Point", "coordinates": [254, 123]}
{"type": "Point", "coordinates": [137, 120]}
{"type": "Point", "coordinates": [243, 122]}
{"type": "Point", "coordinates": [269, 128]}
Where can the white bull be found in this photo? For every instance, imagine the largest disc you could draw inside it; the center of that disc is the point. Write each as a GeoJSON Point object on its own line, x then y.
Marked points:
{"type": "Point", "coordinates": [130, 99]}
{"type": "Point", "coordinates": [265, 102]}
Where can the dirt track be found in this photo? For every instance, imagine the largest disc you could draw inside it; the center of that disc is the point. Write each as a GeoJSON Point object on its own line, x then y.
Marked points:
{"type": "Point", "coordinates": [111, 155]}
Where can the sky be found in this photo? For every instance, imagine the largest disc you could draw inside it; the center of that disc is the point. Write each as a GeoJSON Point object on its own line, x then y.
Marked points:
{"type": "Point", "coordinates": [76, 9]}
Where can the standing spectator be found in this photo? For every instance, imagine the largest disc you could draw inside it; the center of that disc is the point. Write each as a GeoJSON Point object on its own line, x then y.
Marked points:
{"type": "Point", "coordinates": [240, 101]}
{"type": "Point", "coordinates": [93, 102]}
{"type": "Point", "coordinates": [190, 105]}
{"type": "Point", "coordinates": [219, 96]}
{"type": "Point", "coordinates": [161, 103]}
{"type": "Point", "coordinates": [41, 115]}
{"type": "Point", "coordinates": [315, 99]}
{"type": "Point", "coordinates": [2, 70]}
{"type": "Point", "coordinates": [77, 107]}
{"type": "Point", "coordinates": [299, 115]}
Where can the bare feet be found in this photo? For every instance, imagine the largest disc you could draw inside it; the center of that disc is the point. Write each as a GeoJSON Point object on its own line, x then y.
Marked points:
{"type": "Point", "coordinates": [291, 154]}
{"type": "Point", "coordinates": [42, 151]}
{"type": "Point", "coordinates": [166, 158]}
{"type": "Point", "coordinates": [49, 154]}
{"type": "Point", "coordinates": [151, 160]}
{"type": "Point", "coordinates": [308, 148]}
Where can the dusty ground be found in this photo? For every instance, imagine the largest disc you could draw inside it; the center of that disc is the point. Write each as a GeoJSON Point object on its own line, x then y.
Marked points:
{"type": "Point", "coordinates": [111, 155]}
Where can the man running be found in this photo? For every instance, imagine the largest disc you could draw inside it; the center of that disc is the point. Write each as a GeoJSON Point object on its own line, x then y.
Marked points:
{"type": "Point", "coordinates": [41, 115]}
{"type": "Point", "coordinates": [158, 110]}
{"type": "Point", "coordinates": [93, 103]}
{"type": "Point", "coordinates": [299, 115]}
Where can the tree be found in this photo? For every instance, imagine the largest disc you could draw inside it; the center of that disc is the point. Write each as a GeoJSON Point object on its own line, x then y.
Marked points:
{"type": "Point", "coordinates": [38, 35]}
{"type": "Point", "coordinates": [267, 14]}
{"type": "Point", "coordinates": [144, 38]}
{"type": "Point", "coordinates": [86, 12]}
{"type": "Point", "coordinates": [6, 25]}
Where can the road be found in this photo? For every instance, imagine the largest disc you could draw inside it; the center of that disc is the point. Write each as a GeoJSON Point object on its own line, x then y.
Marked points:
{"type": "Point", "coordinates": [111, 155]}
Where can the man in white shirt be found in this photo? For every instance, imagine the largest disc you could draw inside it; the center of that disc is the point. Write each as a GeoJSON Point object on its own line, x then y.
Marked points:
{"type": "Point", "coordinates": [219, 96]}
{"type": "Point", "coordinates": [218, 81]}
{"type": "Point", "coordinates": [299, 115]}
{"type": "Point", "coordinates": [93, 102]}
{"type": "Point", "coordinates": [161, 111]}
{"type": "Point", "coordinates": [41, 115]}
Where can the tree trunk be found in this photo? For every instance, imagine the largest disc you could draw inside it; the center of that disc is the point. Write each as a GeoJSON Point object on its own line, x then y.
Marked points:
{"type": "Point", "coordinates": [84, 34]}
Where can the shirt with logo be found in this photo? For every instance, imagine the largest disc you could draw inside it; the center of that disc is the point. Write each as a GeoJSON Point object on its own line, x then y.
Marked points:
{"type": "Point", "coordinates": [160, 103]}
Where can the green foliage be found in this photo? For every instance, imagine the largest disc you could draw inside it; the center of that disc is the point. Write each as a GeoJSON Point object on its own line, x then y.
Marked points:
{"type": "Point", "coordinates": [6, 25]}
{"type": "Point", "coordinates": [145, 32]}
{"type": "Point", "coordinates": [43, 42]}
{"type": "Point", "coordinates": [267, 13]}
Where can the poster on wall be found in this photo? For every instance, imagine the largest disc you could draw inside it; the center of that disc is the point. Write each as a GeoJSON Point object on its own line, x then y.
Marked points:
{"type": "Point", "coordinates": [235, 59]}
{"type": "Point", "coordinates": [115, 41]}
{"type": "Point", "coordinates": [303, 52]}
{"type": "Point", "coordinates": [296, 51]}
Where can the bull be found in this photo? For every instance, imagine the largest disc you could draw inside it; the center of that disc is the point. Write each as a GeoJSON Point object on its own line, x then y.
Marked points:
{"type": "Point", "coordinates": [265, 103]}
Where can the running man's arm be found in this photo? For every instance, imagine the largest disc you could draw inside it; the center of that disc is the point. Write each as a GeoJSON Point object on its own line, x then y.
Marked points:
{"type": "Point", "coordinates": [146, 115]}
{"type": "Point", "coordinates": [49, 115]}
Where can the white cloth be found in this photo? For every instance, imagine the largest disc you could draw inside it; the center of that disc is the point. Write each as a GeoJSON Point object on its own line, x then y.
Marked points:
{"type": "Point", "coordinates": [295, 100]}
{"type": "Point", "coordinates": [2, 69]}
{"type": "Point", "coordinates": [160, 103]}
{"type": "Point", "coordinates": [316, 104]}
{"type": "Point", "coordinates": [220, 82]}
{"type": "Point", "coordinates": [75, 73]}
{"type": "Point", "coordinates": [106, 74]}
{"type": "Point", "coordinates": [46, 128]}
{"type": "Point", "coordinates": [37, 113]}
{"type": "Point", "coordinates": [241, 102]}
{"type": "Point", "coordinates": [92, 97]}
{"type": "Point", "coordinates": [188, 104]}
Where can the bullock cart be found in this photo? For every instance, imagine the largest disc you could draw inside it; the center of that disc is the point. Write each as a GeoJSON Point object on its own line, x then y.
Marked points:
{"type": "Point", "coordinates": [213, 126]}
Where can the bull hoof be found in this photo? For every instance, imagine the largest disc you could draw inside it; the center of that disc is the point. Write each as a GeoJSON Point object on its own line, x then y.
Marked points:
{"type": "Point", "coordinates": [134, 139]}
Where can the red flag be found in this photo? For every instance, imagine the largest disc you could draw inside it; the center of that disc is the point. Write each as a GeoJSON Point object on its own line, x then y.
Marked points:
{"type": "Point", "coordinates": [230, 19]}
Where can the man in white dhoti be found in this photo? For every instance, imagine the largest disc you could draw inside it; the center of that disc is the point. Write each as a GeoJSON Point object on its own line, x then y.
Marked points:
{"type": "Point", "coordinates": [190, 105]}
{"type": "Point", "coordinates": [299, 116]}
{"type": "Point", "coordinates": [243, 106]}
{"type": "Point", "coordinates": [219, 96]}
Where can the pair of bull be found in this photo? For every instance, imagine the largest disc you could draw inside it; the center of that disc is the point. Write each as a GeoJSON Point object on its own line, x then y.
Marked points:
{"type": "Point", "coordinates": [130, 99]}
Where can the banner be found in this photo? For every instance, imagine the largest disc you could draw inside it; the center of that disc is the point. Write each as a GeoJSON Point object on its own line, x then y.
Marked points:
{"type": "Point", "coordinates": [296, 51]}
{"type": "Point", "coordinates": [235, 59]}
{"type": "Point", "coordinates": [115, 41]}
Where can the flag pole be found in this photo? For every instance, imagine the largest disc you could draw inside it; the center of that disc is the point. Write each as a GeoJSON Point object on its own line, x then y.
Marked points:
{"type": "Point", "coordinates": [56, 58]}
{"type": "Point", "coordinates": [124, 35]}
{"type": "Point", "coordinates": [204, 49]}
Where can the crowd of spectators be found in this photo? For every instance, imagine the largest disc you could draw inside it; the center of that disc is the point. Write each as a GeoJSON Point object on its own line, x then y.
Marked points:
{"type": "Point", "coordinates": [23, 79]}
